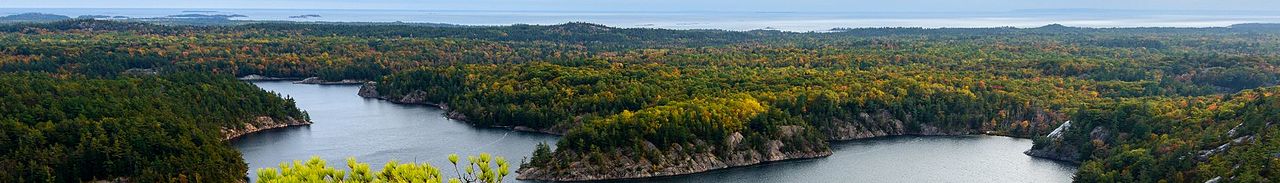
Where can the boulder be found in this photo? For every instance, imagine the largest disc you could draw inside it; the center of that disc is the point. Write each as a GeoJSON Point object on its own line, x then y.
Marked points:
{"type": "Point", "coordinates": [369, 90]}
{"type": "Point", "coordinates": [1057, 132]}
{"type": "Point", "coordinates": [261, 123]}
{"type": "Point", "coordinates": [732, 141]}
{"type": "Point", "coordinates": [1214, 180]}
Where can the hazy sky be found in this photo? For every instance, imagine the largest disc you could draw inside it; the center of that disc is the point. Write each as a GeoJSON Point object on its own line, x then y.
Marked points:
{"type": "Point", "coordinates": [667, 5]}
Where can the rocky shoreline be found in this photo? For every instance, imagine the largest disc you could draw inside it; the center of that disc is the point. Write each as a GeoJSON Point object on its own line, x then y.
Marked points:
{"type": "Point", "coordinates": [261, 123]}
{"type": "Point", "coordinates": [680, 162]}
{"type": "Point", "coordinates": [624, 168]}
{"type": "Point", "coordinates": [318, 81]}
{"type": "Point", "coordinates": [309, 80]}
{"type": "Point", "coordinates": [883, 124]}
{"type": "Point", "coordinates": [678, 159]}
{"type": "Point", "coordinates": [684, 163]}
{"type": "Point", "coordinates": [255, 77]}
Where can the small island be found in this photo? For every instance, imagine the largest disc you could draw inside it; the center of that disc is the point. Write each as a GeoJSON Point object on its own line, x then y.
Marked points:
{"type": "Point", "coordinates": [306, 16]}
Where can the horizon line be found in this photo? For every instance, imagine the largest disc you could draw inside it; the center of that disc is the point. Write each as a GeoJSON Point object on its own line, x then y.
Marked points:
{"type": "Point", "coordinates": [666, 11]}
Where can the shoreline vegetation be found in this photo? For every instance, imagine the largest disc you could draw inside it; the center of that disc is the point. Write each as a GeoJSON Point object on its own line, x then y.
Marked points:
{"type": "Point", "coordinates": [1145, 104]}
{"type": "Point", "coordinates": [483, 168]}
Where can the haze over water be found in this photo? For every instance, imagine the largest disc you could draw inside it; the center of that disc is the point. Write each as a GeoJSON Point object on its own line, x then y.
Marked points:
{"type": "Point", "coordinates": [726, 20]}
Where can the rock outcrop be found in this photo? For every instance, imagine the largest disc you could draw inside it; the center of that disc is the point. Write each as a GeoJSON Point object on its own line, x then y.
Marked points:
{"type": "Point", "coordinates": [1214, 180]}
{"type": "Point", "coordinates": [1058, 132]}
{"type": "Point", "coordinates": [141, 72]}
{"type": "Point", "coordinates": [318, 81]}
{"type": "Point", "coordinates": [1057, 148]}
{"type": "Point", "coordinates": [255, 77]}
{"type": "Point", "coordinates": [1056, 152]}
{"type": "Point", "coordinates": [261, 123]}
{"type": "Point", "coordinates": [882, 124]}
{"type": "Point", "coordinates": [1237, 139]}
{"type": "Point", "coordinates": [369, 90]}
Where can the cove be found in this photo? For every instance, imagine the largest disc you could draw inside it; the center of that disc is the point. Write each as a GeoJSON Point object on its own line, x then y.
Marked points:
{"type": "Point", "coordinates": [376, 131]}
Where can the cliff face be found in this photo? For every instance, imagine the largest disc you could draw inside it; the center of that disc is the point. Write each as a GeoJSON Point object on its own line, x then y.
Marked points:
{"type": "Point", "coordinates": [866, 126]}
{"type": "Point", "coordinates": [261, 123]}
{"type": "Point", "coordinates": [674, 160]}
{"type": "Point", "coordinates": [883, 124]}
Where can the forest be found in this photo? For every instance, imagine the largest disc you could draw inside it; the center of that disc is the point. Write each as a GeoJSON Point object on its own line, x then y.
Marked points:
{"type": "Point", "coordinates": [66, 127]}
{"type": "Point", "coordinates": [1144, 104]}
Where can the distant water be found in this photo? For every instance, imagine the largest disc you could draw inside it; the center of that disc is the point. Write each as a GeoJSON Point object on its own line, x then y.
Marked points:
{"type": "Point", "coordinates": [787, 21]}
{"type": "Point", "coordinates": [376, 131]}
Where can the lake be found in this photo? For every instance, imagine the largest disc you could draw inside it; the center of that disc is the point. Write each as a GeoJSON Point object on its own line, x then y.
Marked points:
{"type": "Point", "coordinates": [739, 21]}
{"type": "Point", "coordinates": [376, 131]}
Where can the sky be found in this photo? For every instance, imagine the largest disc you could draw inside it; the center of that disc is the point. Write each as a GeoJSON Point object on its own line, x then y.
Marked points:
{"type": "Point", "coordinates": [670, 5]}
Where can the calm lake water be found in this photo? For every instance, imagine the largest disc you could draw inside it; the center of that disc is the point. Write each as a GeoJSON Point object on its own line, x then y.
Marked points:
{"type": "Point", "coordinates": [376, 131]}
{"type": "Point", "coordinates": [787, 21]}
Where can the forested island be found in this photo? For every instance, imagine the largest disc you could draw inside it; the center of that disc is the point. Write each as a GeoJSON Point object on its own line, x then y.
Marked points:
{"type": "Point", "coordinates": [1143, 104]}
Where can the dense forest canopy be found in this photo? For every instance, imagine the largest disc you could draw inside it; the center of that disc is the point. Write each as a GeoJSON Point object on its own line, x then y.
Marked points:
{"type": "Point", "coordinates": [150, 128]}
{"type": "Point", "coordinates": [1146, 104]}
